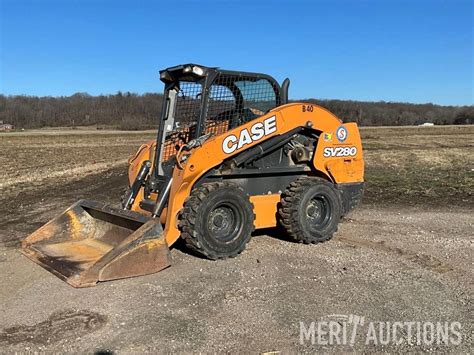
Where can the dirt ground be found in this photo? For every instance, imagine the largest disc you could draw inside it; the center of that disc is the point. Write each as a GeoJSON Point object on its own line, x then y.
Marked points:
{"type": "Point", "coordinates": [405, 254]}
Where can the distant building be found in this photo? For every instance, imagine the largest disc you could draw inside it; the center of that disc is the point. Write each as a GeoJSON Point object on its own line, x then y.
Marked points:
{"type": "Point", "coordinates": [427, 124]}
{"type": "Point", "coordinates": [6, 127]}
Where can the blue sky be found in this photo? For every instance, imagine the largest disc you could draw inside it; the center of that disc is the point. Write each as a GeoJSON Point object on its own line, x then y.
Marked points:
{"type": "Point", "coordinates": [392, 50]}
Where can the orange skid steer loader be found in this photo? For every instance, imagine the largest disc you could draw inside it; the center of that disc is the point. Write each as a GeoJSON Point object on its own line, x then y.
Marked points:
{"type": "Point", "coordinates": [231, 156]}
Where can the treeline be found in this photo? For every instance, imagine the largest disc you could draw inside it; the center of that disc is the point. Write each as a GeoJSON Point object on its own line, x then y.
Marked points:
{"type": "Point", "coordinates": [397, 113]}
{"type": "Point", "coordinates": [131, 111]}
{"type": "Point", "coordinates": [124, 110]}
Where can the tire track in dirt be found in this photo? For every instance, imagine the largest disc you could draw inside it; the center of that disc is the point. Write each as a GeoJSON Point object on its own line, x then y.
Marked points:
{"type": "Point", "coordinates": [426, 261]}
{"type": "Point", "coordinates": [60, 325]}
{"type": "Point", "coordinates": [79, 171]}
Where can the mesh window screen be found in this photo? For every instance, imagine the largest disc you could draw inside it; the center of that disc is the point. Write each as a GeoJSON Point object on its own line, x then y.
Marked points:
{"type": "Point", "coordinates": [236, 100]}
{"type": "Point", "coordinates": [232, 101]}
{"type": "Point", "coordinates": [186, 115]}
{"type": "Point", "coordinates": [188, 103]}
{"type": "Point", "coordinates": [221, 103]}
{"type": "Point", "coordinates": [258, 96]}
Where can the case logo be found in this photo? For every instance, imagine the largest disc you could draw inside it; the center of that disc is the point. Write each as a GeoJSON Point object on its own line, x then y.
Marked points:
{"type": "Point", "coordinates": [341, 134]}
{"type": "Point", "coordinates": [257, 131]}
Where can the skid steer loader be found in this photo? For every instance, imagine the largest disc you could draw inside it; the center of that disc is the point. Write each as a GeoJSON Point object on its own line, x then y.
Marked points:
{"type": "Point", "coordinates": [231, 156]}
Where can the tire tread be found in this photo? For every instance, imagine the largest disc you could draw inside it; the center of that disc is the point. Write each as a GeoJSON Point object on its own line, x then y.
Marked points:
{"type": "Point", "coordinates": [190, 213]}
{"type": "Point", "coordinates": [288, 210]}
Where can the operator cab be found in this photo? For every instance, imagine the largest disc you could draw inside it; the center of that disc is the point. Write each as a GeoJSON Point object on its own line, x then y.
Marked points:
{"type": "Point", "coordinates": [203, 100]}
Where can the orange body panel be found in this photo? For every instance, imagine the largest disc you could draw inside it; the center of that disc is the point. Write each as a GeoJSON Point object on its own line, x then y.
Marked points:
{"type": "Point", "coordinates": [326, 159]}
{"type": "Point", "coordinates": [344, 169]}
{"type": "Point", "coordinates": [265, 209]}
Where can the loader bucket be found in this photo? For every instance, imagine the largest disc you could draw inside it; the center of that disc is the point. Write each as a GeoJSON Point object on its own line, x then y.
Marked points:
{"type": "Point", "coordinates": [92, 242]}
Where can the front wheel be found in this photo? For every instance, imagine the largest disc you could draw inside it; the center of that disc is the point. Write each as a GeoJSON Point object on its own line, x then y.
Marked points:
{"type": "Point", "coordinates": [310, 210]}
{"type": "Point", "coordinates": [217, 220]}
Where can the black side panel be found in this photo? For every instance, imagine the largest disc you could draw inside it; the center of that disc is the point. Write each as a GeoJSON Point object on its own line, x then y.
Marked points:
{"type": "Point", "coordinates": [269, 167]}
{"type": "Point", "coordinates": [351, 195]}
{"type": "Point", "coordinates": [259, 184]}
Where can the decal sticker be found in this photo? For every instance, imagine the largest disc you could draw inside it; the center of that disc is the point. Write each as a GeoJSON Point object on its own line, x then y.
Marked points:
{"type": "Point", "coordinates": [257, 131]}
{"type": "Point", "coordinates": [327, 137]}
{"type": "Point", "coordinates": [341, 134]}
{"type": "Point", "coordinates": [331, 152]}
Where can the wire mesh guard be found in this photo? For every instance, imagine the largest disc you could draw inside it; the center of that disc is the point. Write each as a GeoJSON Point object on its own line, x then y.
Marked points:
{"type": "Point", "coordinates": [231, 101]}
{"type": "Point", "coordinates": [239, 99]}
{"type": "Point", "coordinates": [188, 103]}
{"type": "Point", "coordinates": [186, 115]}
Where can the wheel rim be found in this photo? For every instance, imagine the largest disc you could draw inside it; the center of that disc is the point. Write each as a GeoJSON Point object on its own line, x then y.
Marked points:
{"type": "Point", "coordinates": [224, 222]}
{"type": "Point", "coordinates": [318, 212]}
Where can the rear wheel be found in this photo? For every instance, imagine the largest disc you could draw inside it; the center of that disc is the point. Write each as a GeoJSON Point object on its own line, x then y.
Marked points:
{"type": "Point", "coordinates": [217, 220]}
{"type": "Point", "coordinates": [310, 210]}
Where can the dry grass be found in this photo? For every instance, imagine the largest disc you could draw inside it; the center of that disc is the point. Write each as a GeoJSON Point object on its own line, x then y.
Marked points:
{"type": "Point", "coordinates": [403, 164]}
{"type": "Point", "coordinates": [35, 159]}
{"type": "Point", "coordinates": [419, 164]}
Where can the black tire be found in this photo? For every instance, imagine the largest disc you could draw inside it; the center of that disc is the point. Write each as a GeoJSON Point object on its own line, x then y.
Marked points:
{"type": "Point", "coordinates": [310, 210]}
{"type": "Point", "coordinates": [217, 220]}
